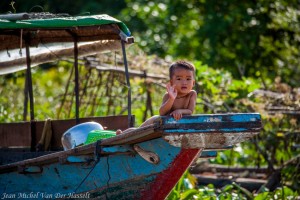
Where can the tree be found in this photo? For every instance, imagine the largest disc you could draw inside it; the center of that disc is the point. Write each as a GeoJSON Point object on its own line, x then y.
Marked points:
{"type": "Point", "coordinates": [252, 38]}
{"type": "Point", "coordinates": [74, 7]}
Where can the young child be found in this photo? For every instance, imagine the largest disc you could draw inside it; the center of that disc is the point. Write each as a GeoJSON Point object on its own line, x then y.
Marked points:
{"type": "Point", "coordinates": [179, 99]}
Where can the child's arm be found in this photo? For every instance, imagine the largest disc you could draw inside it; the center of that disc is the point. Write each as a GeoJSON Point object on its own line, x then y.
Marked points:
{"type": "Point", "coordinates": [166, 105]}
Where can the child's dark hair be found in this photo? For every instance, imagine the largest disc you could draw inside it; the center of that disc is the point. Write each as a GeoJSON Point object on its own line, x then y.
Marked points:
{"type": "Point", "coordinates": [181, 64]}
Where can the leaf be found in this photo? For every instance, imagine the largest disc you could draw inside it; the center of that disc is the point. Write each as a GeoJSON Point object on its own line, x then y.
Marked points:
{"type": "Point", "coordinates": [188, 194]}
{"type": "Point", "coordinates": [174, 195]}
{"type": "Point", "coordinates": [243, 190]}
{"type": "Point", "coordinates": [262, 196]}
{"type": "Point", "coordinates": [227, 188]}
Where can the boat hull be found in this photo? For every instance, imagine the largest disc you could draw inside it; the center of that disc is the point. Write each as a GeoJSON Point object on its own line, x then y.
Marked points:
{"type": "Point", "coordinates": [144, 163]}
{"type": "Point", "coordinates": [123, 176]}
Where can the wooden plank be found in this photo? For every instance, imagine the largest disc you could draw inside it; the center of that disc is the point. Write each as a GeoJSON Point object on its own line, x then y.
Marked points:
{"type": "Point", "coordinates": [222, 169]}
{"type": "Point", "coordinates": [10, 156]}
{"type": "Point", "coordinates": [214, 123]}
{"type": "Point", "coordinates": [15, 134]}
{"type": "Point", "coordinates": [208, 154]}
{"type": "Point", "coordinates": [219, 182]}
{"type": "Point", "coordinates": [19, 135]}
{"type": "Point", "coordinates": [134, 136]}
{"type": "Point", "coordinates": [101, 32]}
{"type": "Point", "coordinates": [210, 130]}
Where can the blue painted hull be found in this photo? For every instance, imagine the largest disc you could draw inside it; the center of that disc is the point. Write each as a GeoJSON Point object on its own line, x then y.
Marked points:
{"type": "Point", "coordinates": [114, 168]}
{"type": "Point", "coordinates": [116, 176]}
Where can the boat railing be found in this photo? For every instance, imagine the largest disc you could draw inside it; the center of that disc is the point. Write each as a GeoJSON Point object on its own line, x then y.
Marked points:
{"type": "Point", "coordinates": [18, 135]}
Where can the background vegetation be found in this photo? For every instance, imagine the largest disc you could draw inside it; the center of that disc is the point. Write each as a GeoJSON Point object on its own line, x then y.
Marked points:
{"type": "Point", "coordinates": [247, 58]}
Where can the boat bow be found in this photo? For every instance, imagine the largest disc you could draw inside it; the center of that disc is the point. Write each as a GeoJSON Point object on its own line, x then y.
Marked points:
{"type": "Point", "coordinates": [214, 131]}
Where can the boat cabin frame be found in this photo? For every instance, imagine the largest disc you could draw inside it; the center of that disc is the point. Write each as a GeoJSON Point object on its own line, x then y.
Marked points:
{"type": "Point", "coordinates": [88, 34]}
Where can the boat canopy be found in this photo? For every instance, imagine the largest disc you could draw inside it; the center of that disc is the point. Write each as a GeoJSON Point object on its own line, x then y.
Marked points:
{"type": "Point", "coordinates": [52, 37]}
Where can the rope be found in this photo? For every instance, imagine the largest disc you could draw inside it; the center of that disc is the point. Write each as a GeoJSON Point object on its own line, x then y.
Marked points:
{"type": "Point", "coordinates": [97, 153]}
{"type": "Point", "coordinates": [118, 74]}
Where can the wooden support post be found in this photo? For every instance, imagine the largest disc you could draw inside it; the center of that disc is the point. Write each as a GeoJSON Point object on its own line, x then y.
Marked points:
{"type": "Point", "coordinates": [30, 92]}
{"type": "Point", "coordinates": [29, 81]}
{"type": "Point", "coordinates": [130, 119]}
{"type": "Point", "coordinates": [25, 110]}
{"type": "Point", "coordinates": [76, 78]}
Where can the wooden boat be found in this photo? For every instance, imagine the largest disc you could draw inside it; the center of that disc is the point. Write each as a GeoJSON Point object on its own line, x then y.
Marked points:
{"type": "Point", "coordinates": [144, 163]}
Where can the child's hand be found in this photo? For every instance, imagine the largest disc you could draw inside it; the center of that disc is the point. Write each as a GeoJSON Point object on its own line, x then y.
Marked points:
{"type": "Point", "coordinates": [176, 114]}
{"type": "Point", "coordinates": [171, 91]}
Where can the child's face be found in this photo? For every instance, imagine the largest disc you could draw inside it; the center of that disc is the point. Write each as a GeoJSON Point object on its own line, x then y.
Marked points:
{"type": "Point", "coordinates": [183, 80]}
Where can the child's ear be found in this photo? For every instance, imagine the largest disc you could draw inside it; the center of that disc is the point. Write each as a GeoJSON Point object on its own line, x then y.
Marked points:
{"type": "Point", "coordinates": [171, 82]}
{"type": "Point", "coordinates": [193, 82]}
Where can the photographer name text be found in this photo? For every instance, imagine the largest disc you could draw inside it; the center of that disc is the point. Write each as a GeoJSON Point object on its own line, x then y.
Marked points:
{"type": "Point", "coordinates": [43, 195]}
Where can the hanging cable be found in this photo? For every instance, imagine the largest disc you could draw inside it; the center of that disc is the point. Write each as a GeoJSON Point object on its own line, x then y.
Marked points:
{"type": "Point", "coordinates": [97, 153]}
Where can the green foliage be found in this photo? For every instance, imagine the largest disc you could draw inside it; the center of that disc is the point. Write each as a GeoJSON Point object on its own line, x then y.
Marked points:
{"type": "Point", "coordinates": [280, 193]}
{"type": "Point", "coordinates": [74, 7]}
{"type": "Point", "coordinates": [12, 6]}
{"type": "Point", "coordinates": [218, 91]}
{"type": "Point", "coordinates": [47, 84]}
{"type": "Point", "coordinates": [185, 190]}
{"type": "Point", "coordinates": [8, 97]}
{"type": "Point", "coordinates": [248, 38]}
{"type": "Point", "coordinates": [237, 47]}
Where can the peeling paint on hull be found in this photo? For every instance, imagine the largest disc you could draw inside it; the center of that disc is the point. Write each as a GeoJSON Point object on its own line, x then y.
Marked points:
{"type": "Point", "coordinates": [203, 140]}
